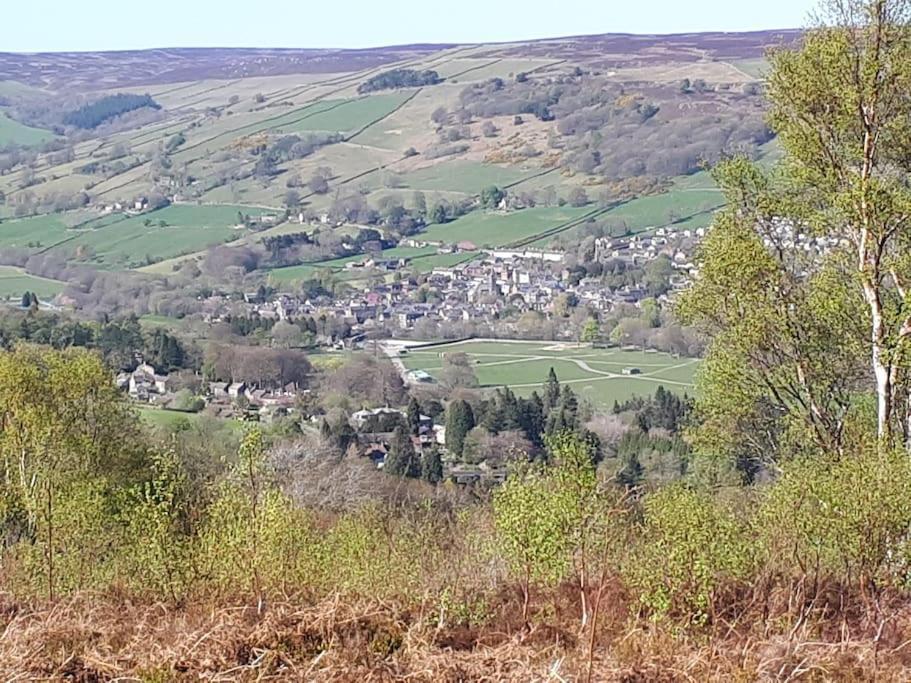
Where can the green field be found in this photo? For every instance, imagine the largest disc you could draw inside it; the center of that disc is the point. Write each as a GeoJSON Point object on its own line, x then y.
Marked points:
{"type": "Point", "coordinates": [350, 115]}
{"type": "Point", "coordinates": [498, 229]}
{"type": "Point", "coordinates": [425, 264]}
{"type": "Point", "coordinates": [14, 282]}
{"type": "Point", "coordinates": [308, 270]}
{"type": "Point", "coordinates": [462, 176]}
{"type": "Point", "coordinates": [118, 241]}
{"type": "Point", "coordinates": [18, 133]}
{"type": "Point", "coordinates": [594, 374]}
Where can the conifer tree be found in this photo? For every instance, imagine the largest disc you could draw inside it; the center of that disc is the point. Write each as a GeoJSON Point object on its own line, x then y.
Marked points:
{"type": "Point", "coordinates": [432, 466]}
{"type": "Point", "coordinates": [551, 391]}
{"type": "Point", "coordinates": [459, 421]}
{"type": "Point", "coordinates": [402, 460]}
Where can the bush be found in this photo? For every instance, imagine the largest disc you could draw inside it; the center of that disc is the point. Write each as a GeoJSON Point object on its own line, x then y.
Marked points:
{"type": "Point", "coordinates": [690, 547]}
{"type": "Point", "coordinates": [842, 518]}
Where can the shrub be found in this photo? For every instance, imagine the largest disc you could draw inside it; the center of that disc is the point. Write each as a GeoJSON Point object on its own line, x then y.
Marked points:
{"type": "Point", "coordinates": [690, 547]}
{"type": "Point", "coordinates": [844, 518]}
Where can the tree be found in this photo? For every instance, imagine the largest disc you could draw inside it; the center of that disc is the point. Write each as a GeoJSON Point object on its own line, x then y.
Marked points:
{"type": "Point", "coordinates": [432, 466]}
{"type": "Point", "coordinates": [63, 424]}
{"type": "Point", "coordinates": [459, 421]}
{"type": "Point", "coordinates": [414, 415]}
{"type": "Point", "coordinates": [839, 104]}
{"type": "Point", "coordinates": [551, 391]}
{"type": "Point", "coordinates": [292, 199]}
{"type": "Point", "coordinates": [658, 274]}
{"type": "Point", "coordinates": [457, 371]}
{"type": "Point", "coordinates": [591, 331]}
{"type": "Point", "coordinates": [491, 197]}
{"type": "Point", "coordinates": [439, 116]}
{"type": "Point", "coordinates": [402, 461]}
{"type": "Point", "coordinates": [318, 185]}
{"type": "Point", "coordinates": [489, 130]}
{"type": "Point", "coordinates": [578, 197]}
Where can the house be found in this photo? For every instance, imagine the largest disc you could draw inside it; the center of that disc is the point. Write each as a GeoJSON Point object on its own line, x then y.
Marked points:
{"type": "Point", "coordinates": [377, 420]}
{"type": "Point", "coordinates": [236, 389]}
{"type": "Point", "coordinates": [144, 384]}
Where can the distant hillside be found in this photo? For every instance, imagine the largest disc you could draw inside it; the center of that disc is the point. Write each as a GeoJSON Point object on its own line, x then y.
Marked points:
{"type": "Point", "coordinates": [172, 65]}
{"type": "Point", "coordinates": [603, 134]}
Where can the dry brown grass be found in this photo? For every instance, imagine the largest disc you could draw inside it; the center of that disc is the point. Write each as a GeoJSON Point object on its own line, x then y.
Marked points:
{"type": "Point", "coordinates": [100, 638]}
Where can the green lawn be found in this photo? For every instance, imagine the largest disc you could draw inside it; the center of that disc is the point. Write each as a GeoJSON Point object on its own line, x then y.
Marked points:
{"type": "Point", "coordinates": [595, 374]}
{"type": "Point", "coordinates": [18, 133]}
{"type": "Point", "coordinates": [14, 282]}
{"type": "Point", "coordinates": [493, 229]}
{"type": "Point", "coordinates": [43, 231]}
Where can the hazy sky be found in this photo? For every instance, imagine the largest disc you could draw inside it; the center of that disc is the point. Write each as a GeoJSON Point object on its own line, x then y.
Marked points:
{"type": "Point", "coordinates": [36, 25]}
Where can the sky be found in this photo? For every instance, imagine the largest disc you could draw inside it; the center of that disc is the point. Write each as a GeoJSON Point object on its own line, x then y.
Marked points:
{"type": "Point", "coordinates": [64, 25]}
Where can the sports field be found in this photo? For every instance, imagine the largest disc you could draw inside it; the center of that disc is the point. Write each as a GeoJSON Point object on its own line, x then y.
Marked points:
{"type": "Point", "coordinates": [594, 374]}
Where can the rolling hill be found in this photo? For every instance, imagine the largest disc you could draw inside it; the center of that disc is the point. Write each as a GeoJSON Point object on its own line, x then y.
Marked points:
{"type": "Point", "coordinates": [609, 127]}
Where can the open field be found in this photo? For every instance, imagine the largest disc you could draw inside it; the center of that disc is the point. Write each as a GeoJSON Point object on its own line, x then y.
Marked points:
{"type": "Point", "coordinates": [308, 270]}
{"type": "Point", "coordinates": [595, 374]}
{"type": "Point", "coordinates": [493, 229]}
{"type": "Point", "coordinates": [463, 176]}
{"type": "Point", "coordinates": [117, 241]}
{"type": "Point", "coordinates": [14, 282]}
{"type": "Point", "coordinates": [13, 132]}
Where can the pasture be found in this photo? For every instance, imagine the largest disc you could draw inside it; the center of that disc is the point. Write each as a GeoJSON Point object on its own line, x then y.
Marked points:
{"type": "Point", "coordinates": [594, 374]}
{"type": "Point", "coordinates": [338, 265]}
{"type": "Point", "coordinates": [13, 132]}
{"type": "Point", "coordinates": [494, 229]}
{"type": "Point", "coordinates": [120, 241]}
{"type": "Point", "coordinates": [462, 176]}
{"type": "Point", "coordinates": [14, 282]}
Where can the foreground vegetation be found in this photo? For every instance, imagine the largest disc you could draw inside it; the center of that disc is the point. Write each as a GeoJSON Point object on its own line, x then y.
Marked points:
{"type": "Point", "coordinates": [336, 569]}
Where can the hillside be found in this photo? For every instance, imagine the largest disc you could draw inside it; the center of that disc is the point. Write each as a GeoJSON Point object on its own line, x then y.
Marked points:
{"type": "Point", "coordinates": [590, 121]}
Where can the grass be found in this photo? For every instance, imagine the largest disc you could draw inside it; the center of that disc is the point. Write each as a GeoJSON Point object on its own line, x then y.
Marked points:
{"type": "Point", "coordinates": [14, 282]}
{"type": "Point", "coordinates": [595, 374]}
{"type": "Point", "coordinates": [496, 229]}
{"type": "Point", "coordinates": [461, 176]}
{"type": "Point", "coordinates": [116, 241]}
{"type": "Point", "coordinates": [349, 116]}
{"type": "Point", "coordinates": [428, 263]}
{"type": "Point", "coordinates": [308, 270]}
{"type": "Point", "coordinates": [131, 243]}
{"type": "Point", "coordinates": [13, 132]}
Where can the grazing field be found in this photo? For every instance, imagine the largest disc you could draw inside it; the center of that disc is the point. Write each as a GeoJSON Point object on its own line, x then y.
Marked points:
{"type": "Point", "coordinates": [119, 241]}
{"type": "Point", "coordinates": [425, 264]}
{"type": "Point", "coordinates": [14, 282]}
{"type": "Point", "coordinates": [309, 270]}
{"type": "Point", "coordinates": [595, 374]}
{"type": "Point", "coordinates": [497, 229]}
{"type": "Point", "coordinates": [463, 176]}
{"type": "Point", "coordinates": [13, 132]}
{"type": "Point", "coordinates": [350, 115]}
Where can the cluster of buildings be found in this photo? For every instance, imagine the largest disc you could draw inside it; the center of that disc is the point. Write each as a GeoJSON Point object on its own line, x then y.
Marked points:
{"type": "Point", "coordinates": [478, 289]}
{"type": "Point", "coordinates": [221, 399]}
